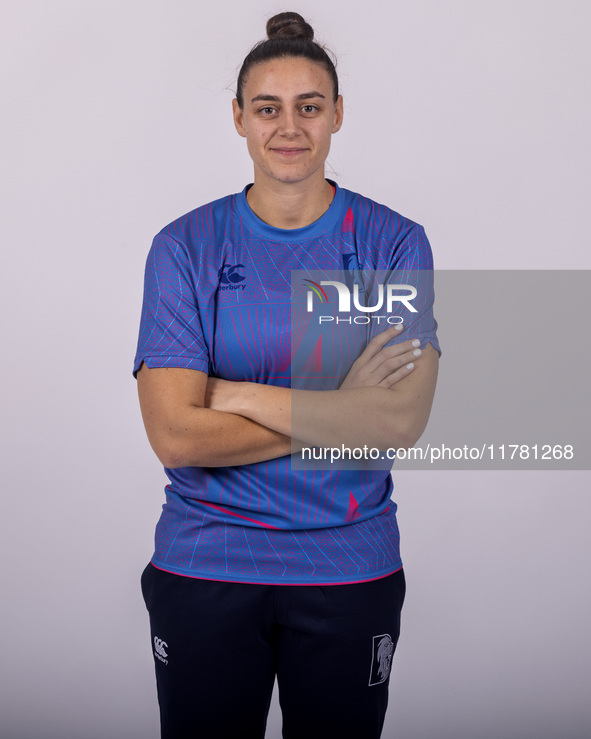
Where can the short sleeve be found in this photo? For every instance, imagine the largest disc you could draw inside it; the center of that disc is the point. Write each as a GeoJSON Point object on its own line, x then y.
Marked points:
{"type": "Point", "coordinates": [171, 333]}
{"type": "Point", "coordinates": [412, 264]}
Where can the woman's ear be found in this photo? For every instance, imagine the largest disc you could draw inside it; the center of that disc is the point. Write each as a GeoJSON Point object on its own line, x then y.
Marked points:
{"type": "Point", "coordinates": [338, 114]}
{"type": "Point", "coordinates": [238, 118]}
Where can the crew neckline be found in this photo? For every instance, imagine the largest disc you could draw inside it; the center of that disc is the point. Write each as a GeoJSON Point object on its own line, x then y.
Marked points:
{"type": "Point", "coordinates": [324, 224]}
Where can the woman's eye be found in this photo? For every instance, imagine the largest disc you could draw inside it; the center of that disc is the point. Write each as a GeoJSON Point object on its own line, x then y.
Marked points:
{"type": "Point", "coordinates": [309, 109]}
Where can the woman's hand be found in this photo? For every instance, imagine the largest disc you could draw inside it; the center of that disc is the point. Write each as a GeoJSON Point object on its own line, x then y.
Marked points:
{"type": "Point", "coordinates": [379, 367]}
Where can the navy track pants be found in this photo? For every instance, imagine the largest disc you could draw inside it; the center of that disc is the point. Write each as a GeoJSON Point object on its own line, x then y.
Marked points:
{"type": "Point", "coordinates": [219, 645]}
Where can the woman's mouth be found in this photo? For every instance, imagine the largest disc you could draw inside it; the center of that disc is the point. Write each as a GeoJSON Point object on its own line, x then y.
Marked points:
{"type": "Point", "coordinates": [289, 152]}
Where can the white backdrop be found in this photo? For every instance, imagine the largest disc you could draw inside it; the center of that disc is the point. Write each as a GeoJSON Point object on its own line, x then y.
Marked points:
{"type": "Point", "coordinates": [471, 117]}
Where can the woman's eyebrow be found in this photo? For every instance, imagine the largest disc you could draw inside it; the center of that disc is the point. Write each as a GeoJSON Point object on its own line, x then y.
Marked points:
{"type": "Point", "coordinates": [266, 98]}
{"type": "Point", "coordinates": [308, 95]}
{"type": "Point", "coordinates": [276, 99]}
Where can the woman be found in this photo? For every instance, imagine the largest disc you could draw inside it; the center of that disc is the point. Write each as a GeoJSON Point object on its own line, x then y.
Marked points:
{"type": "Point", "coordinates": [262, 569]}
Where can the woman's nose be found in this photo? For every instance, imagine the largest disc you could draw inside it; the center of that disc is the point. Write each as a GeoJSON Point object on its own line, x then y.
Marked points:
{"type": "Point", "coordinates": [288, 123]}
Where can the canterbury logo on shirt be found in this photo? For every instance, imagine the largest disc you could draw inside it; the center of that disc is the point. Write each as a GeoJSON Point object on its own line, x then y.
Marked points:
{"type": "Point", "coordinates": [231, 277]}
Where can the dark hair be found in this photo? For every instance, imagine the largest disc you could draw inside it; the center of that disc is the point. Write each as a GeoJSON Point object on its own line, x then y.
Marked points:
{"type": "Point", "coordinates": [288, 35]}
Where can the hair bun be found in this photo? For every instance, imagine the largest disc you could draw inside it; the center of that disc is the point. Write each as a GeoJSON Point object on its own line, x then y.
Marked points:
{"type": "Point", "coordinates": [289, 26]}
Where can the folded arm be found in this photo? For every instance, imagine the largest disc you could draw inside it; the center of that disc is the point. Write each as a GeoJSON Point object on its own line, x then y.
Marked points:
{"type": "Point", "coordinates": [376, 416]}
{"type": "Point", "coordinates": [193, 420]}
{"type": "Point", "coordinates": [184, 433]}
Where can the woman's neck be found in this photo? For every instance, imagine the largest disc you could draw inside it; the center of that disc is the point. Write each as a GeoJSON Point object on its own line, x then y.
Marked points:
{"type": "Point", "coordinates": [290, 206]}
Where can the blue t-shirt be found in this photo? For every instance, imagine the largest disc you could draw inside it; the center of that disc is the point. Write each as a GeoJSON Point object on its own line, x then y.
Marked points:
{"type": "Point", "coordinates": [217, 299]}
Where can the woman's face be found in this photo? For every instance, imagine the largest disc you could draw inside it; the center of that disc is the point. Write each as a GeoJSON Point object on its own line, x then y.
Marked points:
{"type": "Point", "coordinates": [288, 118]}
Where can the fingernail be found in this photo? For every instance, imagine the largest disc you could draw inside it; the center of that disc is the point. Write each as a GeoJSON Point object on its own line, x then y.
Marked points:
{"type": "Point", "coordinates": [417, 352]}
{"type": "Point", "coordinates": [416, 342]}
{"type": "Point", "coordinates": [410, 366]}
{"type": "Point", "coordinates": [398, 327]}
